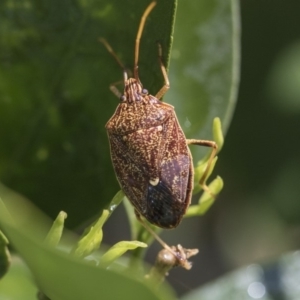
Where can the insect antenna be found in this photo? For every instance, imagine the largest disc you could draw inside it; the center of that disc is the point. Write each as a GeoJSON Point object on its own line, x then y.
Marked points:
{"type": "Point", "coordinates": [113, 87]}
{"type": "Point", "coordinates": [112, 52]}
{"type": "Point", "coordinates": [138, 38]}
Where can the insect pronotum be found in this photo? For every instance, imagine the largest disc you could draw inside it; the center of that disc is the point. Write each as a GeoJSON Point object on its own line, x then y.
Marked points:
{"type": "Point", "coordinates": [149, 151]}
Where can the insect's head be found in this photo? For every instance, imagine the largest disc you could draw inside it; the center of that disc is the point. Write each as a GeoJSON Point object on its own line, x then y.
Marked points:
{"type": "Point", "coordinates": [133, 90]}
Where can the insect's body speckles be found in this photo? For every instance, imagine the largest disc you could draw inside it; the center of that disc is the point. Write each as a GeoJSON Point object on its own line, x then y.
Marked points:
{"type": "Point", "coordinates": [150, 153]}
{"type": "Point", "coordinates": [148, 148]}
{"type": "Point", "coordinates": [150, 156]}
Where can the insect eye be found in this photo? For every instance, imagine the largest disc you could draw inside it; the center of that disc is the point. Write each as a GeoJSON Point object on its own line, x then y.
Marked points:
{"type": "Point", "coordinates": [145, 92]}
{"type": "Point", "coordinates": [123, 98]}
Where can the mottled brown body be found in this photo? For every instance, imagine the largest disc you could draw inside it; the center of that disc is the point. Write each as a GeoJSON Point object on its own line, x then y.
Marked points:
{"type": "Point", "coordinates": [150, 156]}
{"type": "Point", "coordinates": [149, 151]}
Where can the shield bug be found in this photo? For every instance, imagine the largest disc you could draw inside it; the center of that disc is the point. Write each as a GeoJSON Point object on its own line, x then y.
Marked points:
{"type": "Point", "coordinates": [149, 151]}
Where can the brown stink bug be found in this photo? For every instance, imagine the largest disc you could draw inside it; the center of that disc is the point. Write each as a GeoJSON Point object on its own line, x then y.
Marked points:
{"type": "Point", "coordinates": [149, 151]}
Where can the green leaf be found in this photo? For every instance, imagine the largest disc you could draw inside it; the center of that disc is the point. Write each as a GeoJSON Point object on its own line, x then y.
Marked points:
{"type": "Point", "coordinates": [55, 148]}
{"type": "Point", "coordinates": [18, 284]}
{"type": "Point", "coordinates": [204, 69]}
{"type": "Point", "coordinates": [202, 164]}
{"type": "Point", "coordinates": [218, 133]}
{"type": "Point", "coordinates": [55, 233]}
{"type": "Point", "coordinates": [54, 145]}
{"type": "Point", "coordinates": [117, 199]}
{"type": "Point", "coordinates": [61, 276]}
{"type": "Point", "coordinates": [118, 250]}
{"type": "Point", "coordinates": [92, 239]}
{"type": "Point", "coordinates": [133, 222]}
{"type": "Point", "coordinates": [206, 200]}
{"type": "Point", "coordinates": [5, 258]}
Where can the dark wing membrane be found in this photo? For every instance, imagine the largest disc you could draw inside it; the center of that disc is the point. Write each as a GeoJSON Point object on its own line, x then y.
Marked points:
{"type": "Point", "coordinates": [168, 200]}
{"type": "Point", "coordinates": [175, 166]}
{"type": "Point", "coordinates": [162, 209]}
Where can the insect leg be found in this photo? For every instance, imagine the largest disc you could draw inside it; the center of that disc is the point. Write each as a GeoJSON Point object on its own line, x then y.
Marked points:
{"type": "Point", "coordinates": [166, 86]}
{"type": "Point", "coordinates": [214, 147]}
{"type": "Point", "coordinates": [138, 37]}
{"type": "Point", "coordinates": [164, 245]}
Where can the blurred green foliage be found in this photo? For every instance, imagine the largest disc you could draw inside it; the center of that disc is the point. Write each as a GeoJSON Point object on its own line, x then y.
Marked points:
{"type": "Point", "coordinates": [18, 284]}
{"type": "Point", "coordinates": [54, 148]}
{"type": "Point", "coordinates": [55, 99]}
{"type": "Point", "coordinates": [54, 92]}
{"type": "Point", "coordinates": [61, 275]}
{"type": "Point", "coordinates": [54, 103]}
